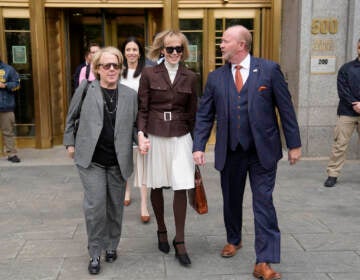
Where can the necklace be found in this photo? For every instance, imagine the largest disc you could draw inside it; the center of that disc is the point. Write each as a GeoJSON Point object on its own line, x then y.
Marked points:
{"type": "Point", "coordinates": [109, 96]}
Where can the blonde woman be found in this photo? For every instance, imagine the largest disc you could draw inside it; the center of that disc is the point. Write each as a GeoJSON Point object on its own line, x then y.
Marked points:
{"type": "Point", "coordinates": [167, 107]}
{"type": "Point", "coordinates": [103, 152]}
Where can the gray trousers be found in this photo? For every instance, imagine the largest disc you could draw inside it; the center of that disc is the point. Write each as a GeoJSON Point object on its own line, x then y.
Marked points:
{"type": "Point", "coordinates": [104, 193]}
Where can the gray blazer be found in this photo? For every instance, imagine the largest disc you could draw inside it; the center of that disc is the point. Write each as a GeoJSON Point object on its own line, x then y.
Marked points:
{"type": "Point", "coordinates": [91, 123]}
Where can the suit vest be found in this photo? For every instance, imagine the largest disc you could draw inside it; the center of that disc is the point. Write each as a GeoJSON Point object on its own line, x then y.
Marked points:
{"type": "Point", "coordinates": [240, 131]}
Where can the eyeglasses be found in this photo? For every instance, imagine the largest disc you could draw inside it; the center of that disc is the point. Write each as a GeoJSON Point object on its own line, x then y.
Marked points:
{"type": "Point", "coordinates": [178, 49]}
{"type": "Point", "coordinates": [107, 66]}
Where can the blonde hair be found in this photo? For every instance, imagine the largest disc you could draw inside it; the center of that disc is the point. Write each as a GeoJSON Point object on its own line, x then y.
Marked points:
{"type": "Point", "coordinates": [159, 44]}
{"type": "Point", "coordinates": [97, 56]}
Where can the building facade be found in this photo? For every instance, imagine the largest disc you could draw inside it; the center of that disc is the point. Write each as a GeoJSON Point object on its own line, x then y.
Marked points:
{"type": "Point", "coordinates": [317, 38]}
{"type": "Point", "coordinates": [44, 40]}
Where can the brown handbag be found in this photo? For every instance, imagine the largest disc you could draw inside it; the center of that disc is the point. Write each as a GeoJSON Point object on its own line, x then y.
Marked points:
{"type": "Point", "coordinates": [197, 195]}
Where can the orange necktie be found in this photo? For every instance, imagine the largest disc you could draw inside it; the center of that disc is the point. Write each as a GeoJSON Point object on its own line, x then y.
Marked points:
{"type": "Point", "coordinates": [238, 78]}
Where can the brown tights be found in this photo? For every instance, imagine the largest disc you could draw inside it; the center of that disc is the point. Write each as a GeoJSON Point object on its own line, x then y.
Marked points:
{"type": "Point", "coordinates": [179, 208]}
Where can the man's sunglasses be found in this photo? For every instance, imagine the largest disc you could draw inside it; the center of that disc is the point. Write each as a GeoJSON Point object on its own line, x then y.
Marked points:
{"type": "Point", "coordinates": [107, 66]}
{"type": "Point", "coordinates": [178, 49]}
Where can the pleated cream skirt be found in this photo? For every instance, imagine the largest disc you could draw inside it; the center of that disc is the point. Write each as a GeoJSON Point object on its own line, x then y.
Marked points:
{"type": "Point", "coordinates": [140, 168]}
{"type": "Point", "coordinates": [169, 162]}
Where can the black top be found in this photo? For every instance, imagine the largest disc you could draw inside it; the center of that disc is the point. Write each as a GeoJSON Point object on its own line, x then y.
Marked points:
{"type": "Point", "coordinates": [348, 85]}
{"type": "Point", "coordinates": [105, 153]}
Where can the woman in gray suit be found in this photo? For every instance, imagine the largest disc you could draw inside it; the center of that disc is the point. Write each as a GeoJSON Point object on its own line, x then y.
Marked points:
{"type": "Point", "coordinates": [102, 151]}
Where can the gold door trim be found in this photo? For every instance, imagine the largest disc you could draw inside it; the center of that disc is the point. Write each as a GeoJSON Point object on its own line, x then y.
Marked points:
{"type": "Point", "coordinates": [103, 4]}
{"type": "Point", "coordinates": [193, 13]}
{"type": "Point", "coordinates": [224, 4]}
{"type": "Point", "coordinates": [15, 3]}
{"type": "Point", "coordinates": [15, 13]}
{"type": "Point", "coordinates": [238, 13]}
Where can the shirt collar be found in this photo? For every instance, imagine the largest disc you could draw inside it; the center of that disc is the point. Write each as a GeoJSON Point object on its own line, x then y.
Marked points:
{"type": "Point", "coordinates": [244, 64]}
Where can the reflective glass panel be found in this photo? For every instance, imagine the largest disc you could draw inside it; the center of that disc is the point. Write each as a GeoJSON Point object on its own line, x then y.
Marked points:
{"type": "Point", "coordinates": [17, 24]}
{"type": "Point", "coordinates": [19, 56]}
{"type": "Point", "coordinates": [194, 33]}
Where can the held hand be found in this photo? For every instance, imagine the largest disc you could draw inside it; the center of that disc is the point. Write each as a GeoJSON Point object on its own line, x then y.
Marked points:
{"type": "Point", "coordinates": [144, 144]}
{"type": "Point", "coordinates": [71, 151]}
{"type": "Point", "coordinates": [199, 157]}
{"type": "Point", "coordinates": [294, 155]}
{"type": "Point", "coordinates": [2, 85]}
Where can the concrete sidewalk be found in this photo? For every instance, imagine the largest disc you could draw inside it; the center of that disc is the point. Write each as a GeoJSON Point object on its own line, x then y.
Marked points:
{"type": "Point", "coordinates": [42, 231]}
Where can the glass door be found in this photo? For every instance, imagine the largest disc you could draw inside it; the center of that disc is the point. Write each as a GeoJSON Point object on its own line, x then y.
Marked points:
{"type": "Point", "coordinates": [17, 39]}
{"type": "Point", "coordinates": [107, 27]}
{"type": "Point", "coordinates": [191, 24]}
{"type": "Point", "coordinates": [222, 19]}
{"type": "Point", "coordinates": [204, 28]}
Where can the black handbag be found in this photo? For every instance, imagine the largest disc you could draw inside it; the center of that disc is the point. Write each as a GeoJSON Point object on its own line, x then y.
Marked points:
{"type": "Point", "coordinates": [77, 118]}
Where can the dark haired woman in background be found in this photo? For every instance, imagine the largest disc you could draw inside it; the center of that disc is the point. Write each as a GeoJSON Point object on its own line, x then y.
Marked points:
{"type": "Point", "coordinates": [134, 62]}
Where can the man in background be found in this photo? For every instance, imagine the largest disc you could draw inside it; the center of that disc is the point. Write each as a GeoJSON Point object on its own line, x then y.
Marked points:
{"type": "Point", "coordinates": [86, 71]}
{"type": "Point", "coordinates": [79, 67]}
{"type": "Point", "coordinates": [9, 84]}
{"type": "Point", "coordinates": [348, 86]}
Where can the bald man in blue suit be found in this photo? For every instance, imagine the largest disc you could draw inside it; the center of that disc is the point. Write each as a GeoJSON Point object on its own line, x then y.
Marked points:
{"type": "Point", "coordinates": [248, 142]}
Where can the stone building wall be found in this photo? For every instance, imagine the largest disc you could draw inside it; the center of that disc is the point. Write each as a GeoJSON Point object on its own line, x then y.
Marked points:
{"type": "Point", "coordinates": [318, 37]}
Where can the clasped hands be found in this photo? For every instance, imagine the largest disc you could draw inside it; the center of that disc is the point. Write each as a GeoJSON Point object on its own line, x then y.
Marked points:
{"type": "Point", "coordinates": [144, 144]}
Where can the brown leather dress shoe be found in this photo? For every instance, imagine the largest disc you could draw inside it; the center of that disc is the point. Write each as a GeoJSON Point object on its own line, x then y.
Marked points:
{"type": "Point", "coordinates": [264, 271]}
{"type": "Point", "coordinates": [230, 250]}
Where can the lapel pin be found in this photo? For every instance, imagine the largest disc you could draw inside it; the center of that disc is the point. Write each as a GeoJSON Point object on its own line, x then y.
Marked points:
{"type": "Point", "coordinates": [255, 70]}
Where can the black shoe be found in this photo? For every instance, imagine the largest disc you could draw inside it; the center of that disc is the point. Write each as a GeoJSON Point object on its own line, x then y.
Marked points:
{"type": "Point", "coordinates": [14, 159]}
{"type": "Point", "coordinates": [330, 182]}
{"type": "Point", "coordinates": [110, 256]}
{"type": "Point", "coordinates": [183, 258]}
{"type": "Point", "coordinates": [163, 245]}
{"type": "Point", "coordinates": [94, 265]}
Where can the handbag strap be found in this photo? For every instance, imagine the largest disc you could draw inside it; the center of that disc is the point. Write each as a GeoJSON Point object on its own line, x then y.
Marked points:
{"type": "Point", "coordinates": [87, 73]}
{"type": "Point", "coordinates": [82, 98]}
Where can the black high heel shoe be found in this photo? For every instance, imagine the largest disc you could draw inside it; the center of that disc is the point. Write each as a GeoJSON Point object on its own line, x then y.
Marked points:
{"type": "Point", "coordinates": [183, 258]}
{"type": "Point", "coordinates": [163, 245]}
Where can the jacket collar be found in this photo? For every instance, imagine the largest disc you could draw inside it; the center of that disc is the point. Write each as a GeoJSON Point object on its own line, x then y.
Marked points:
{"type": "Point", "coordinates": [162, 68]}
{"type": "Point", "coordinates": [357, 62]}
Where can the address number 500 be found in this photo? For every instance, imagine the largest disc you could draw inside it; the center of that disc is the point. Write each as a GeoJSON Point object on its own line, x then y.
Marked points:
{"type": "Point", "coordinates": [324, 26]}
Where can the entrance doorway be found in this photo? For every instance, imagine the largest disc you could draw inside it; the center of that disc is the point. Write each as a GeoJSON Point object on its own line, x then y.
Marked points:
{"type": "Point", "coordinates": [204, 28]}
{"type": "Point", "coordinates": [17, 53]}
{"type": "Point", "coordinates": [105, 27]}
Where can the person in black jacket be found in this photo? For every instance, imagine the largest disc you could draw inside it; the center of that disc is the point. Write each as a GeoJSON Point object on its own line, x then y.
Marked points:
{"type": "Point", "coordinates": [78, 69]}
{"type": "Point", "coordinates": [348, 84]}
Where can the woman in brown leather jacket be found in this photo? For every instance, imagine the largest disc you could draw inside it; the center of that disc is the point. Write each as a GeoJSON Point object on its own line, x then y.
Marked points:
{"type": "Point", "coordinates": [167, 107]}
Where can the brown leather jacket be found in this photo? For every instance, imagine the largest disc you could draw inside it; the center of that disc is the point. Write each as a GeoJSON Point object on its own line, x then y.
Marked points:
{"type": "Point", "coordinates": [167, 109]}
